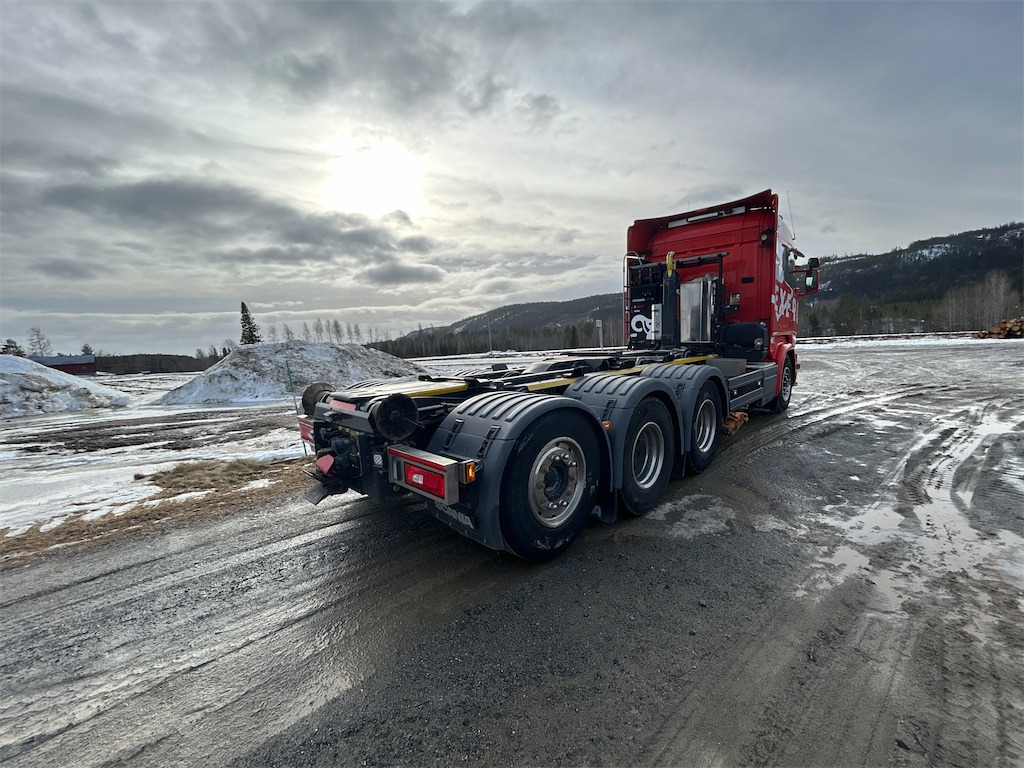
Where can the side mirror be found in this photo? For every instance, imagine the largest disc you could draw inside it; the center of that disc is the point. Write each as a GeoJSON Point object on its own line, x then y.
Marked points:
{"type": "Point", "coordinates": [808, 283]}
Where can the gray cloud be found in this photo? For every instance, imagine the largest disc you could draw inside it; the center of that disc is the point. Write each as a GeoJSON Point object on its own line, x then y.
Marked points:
{"type": "Point", "coordinates": [540, 110]}
{"type": "Point", "coordinates": [162, 202]}
{"type": "Point", "coordinates": [68, 269]}
{"type": "Point", "coordinates": [394, 273]}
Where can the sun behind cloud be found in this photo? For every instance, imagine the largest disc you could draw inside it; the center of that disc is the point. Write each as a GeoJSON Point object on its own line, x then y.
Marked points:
{"type": "Point", "coordinates": [373, 177]}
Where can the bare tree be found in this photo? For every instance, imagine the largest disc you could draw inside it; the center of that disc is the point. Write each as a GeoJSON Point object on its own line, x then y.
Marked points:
{"type": "Point", "coordinates": [289, 335]}
{"type": "Point", "coordinates": [272, 333]}
{"type": "Point", "coordinates": [336, 331]}
{"type": "Point", "coordinates": [998, 299]}
{"type": "Point", "coordinates": [38, 344]}
{"type": "Point", "coordinates": [305, 331]}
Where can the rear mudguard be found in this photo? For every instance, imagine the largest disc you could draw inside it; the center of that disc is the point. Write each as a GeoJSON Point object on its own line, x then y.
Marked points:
{"type": "Point", "coordinates": [485, 428]}
{"type": "Point", "coordinates": [613, 399]}
{"type": "Point", "coordinates": [685, 382]}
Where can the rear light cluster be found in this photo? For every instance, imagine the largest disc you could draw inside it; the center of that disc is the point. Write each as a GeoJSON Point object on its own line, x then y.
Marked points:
{"type": "Point", "coordinates": [426, 480]}
{"type": "Point", "coordinates": [306, 429]}
{"type": "Point", "coordinates": [429, 474]}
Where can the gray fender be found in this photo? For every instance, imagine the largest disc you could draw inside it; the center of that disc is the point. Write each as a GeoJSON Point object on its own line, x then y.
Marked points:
{"type": "Point", "coordinates": [485, 428]}
{"type": "Point", "coordinates": [685, 382]}
{"type": "Point", "coordinates": [613, 398]}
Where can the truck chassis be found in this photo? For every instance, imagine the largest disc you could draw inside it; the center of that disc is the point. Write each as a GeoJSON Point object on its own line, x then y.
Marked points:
{"type": "Point", "coordinates": [519, 459]}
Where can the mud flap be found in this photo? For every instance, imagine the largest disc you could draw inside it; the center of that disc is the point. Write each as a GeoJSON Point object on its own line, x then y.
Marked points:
{"type": "Point", "coordinates": [317, 493]}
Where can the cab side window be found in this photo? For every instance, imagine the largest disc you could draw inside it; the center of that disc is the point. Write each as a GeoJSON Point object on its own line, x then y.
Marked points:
{"type": "Point", "coordinates": [786, 263]}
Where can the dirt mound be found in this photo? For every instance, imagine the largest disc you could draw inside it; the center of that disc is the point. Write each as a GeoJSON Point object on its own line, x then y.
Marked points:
{"type": "Point", "coordinates": [28, 388]}
{"type": "Point", "coordinates": [260, 372]}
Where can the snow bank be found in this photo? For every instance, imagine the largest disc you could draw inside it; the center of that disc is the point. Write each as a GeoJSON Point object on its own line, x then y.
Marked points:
{"type": "Point", "coordinates": [257, 372]}
{"type": "Point", "coordinates": [28, 388]}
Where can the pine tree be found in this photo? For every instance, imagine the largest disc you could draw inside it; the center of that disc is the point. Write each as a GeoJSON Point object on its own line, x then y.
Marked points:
{"type": "Point", "coordinates": [250, 331]}
{"type": "Point", "coordinates": [11, 347]}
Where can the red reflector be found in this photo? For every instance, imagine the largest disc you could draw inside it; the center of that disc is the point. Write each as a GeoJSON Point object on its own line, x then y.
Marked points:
{"type": "Point", "coordinates": [431, 482]}
{"type": "Point", "coordinates": [325, 464]}
{"type": "Point", "coordinates": [306, 429]}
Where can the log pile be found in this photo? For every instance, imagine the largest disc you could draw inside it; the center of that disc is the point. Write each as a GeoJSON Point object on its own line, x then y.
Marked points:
{"type": "Point", "coordinates": [1004, 329]}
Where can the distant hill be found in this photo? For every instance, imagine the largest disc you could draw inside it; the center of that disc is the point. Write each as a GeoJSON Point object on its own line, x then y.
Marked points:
{"type": "Point", "coordinates": [925, 270]}
{"type": "Point", "coordinates": [906, 289]}
{"type": "Point", "coordinates": [606, 307]}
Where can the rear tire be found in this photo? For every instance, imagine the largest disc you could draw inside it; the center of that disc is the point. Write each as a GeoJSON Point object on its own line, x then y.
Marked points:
{"type": "Point", "coordinates": [648, 456]}
{"type": "Point", "coordinates": [550, 485]}
{"type": "Point", "coordinates": [781, 401]}
{"type": "Point", "coordinates": [707, 418]}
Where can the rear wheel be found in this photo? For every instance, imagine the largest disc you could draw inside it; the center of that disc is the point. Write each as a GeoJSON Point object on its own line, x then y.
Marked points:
{"type": "Point", "coordinates": [781, 401]}
{"type": "Point", "coordinates": [550, 486]}
{"type": "Point", "coordinates": [707, 417]}
{"type": "Point", "coordinates": [648, 456]}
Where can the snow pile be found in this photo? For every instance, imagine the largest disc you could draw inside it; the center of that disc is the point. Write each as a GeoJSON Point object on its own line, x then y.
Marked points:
{"type": "Point", "coordinates": [28, 388]}
{"type": "Point", "coordinates": [257, 372]}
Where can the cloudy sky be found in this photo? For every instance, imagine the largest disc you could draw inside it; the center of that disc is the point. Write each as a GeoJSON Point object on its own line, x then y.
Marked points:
{"type": "Point", "coordinates": [397, 164]}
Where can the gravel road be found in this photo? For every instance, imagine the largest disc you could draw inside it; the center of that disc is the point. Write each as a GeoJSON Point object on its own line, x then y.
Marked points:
{"type": "Point", "coordinates": [845, 586]}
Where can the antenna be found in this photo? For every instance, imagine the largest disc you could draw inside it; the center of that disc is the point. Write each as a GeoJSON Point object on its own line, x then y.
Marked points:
{"type": "Point", "coordinates": [792, 224]}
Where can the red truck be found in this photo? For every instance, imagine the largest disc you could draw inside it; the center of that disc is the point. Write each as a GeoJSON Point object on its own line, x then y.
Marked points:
{"type": "Point", "coordinates": [519, 459]}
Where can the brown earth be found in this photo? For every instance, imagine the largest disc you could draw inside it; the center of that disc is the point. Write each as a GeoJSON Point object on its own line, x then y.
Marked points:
{"type": "Point", "coordinates": [842, 587]}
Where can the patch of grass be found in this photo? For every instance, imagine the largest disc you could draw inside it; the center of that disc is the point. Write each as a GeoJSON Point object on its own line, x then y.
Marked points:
{"type": "Point", "coordinates": [209, 475]}
{"type": "Point", "coordinates": [225, 478]}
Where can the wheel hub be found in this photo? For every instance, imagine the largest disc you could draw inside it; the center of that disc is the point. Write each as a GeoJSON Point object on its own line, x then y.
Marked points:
{"type": "Point", "coordinates": [557, 481]}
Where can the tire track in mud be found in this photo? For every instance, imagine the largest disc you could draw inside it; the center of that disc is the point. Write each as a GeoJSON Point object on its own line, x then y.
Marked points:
{"type": "Point", "coordinates": [873, 659]}
{"type": "Point", "coordinates": [222, 631]}
{"type": "Point", "coordinates": [771, 698]}
{"type": "Point", "coordinates": [803, 416]}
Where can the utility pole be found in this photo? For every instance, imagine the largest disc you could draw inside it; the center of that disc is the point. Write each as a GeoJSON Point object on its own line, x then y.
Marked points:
{"type": "Point", "coordinates": [600, 334]}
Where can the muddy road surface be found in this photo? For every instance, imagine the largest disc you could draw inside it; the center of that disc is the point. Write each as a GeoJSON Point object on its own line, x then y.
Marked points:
{"type": "Point", "coordinates": [845, 586]}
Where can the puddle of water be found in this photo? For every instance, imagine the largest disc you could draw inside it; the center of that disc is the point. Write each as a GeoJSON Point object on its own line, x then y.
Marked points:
{"type": "Point", "coordinates": [692, 516]}
{"type": "Point", "coordinates": [935, 537]}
